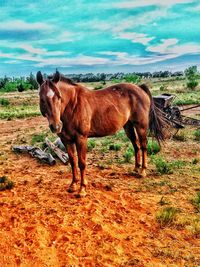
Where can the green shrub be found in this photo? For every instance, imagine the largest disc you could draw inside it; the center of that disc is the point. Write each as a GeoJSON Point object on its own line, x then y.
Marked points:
{"type": "Point", "coordinates": [162, 166]}
{"type": "Point", "coordinates": [38, 138]}
{"type": "Point", "coordinates": [163, 88]}
{"type": "Point", "coordinates": [196, 201]}
{"type": "Point", "coordinates": [91, 144]}
{"type": "Point", "coordinates": [115, 147]}
{"type": "Point", "coordinates": [98, 87]}
{"type": "Point", "coordinates": [153, 147]}
{"type": "Point", "coordinates": [195, 161]}
{"type": "Point", "coordinates": [5, 183]}
{"type": "Point", "coordinates": [166, 216]}
{"type": "Point", "coordinates": [192, 84]}
{"type": "Point", "coordinates": [165, 167]}
{"type": "Point", "coordinates": [197, 135]}
{"type": "Point", "coordinates": [4, 102]}
{"type": "Point", "coordinates": [132, 78]}
{"type": "Point", "coordinates": [181, 136]}
{"type": "Point", "coordinates": [13, 112]}
{"type": "Point", "coordinates": [128, 155]}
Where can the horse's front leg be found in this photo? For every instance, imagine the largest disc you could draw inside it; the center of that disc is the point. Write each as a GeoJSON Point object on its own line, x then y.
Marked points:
{"type": "Point", "coordinates": [73, 162]}
{"type": "Point", "coordinates": [81, 146]}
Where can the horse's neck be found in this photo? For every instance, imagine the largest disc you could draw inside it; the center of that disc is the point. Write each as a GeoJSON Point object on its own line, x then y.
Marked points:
{"type": "Point", "coordinates": [69, 95]}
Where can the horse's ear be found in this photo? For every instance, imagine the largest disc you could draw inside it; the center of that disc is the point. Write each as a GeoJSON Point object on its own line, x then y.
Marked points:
{"type": "Point", "coordinates": [56, 77]}
{"type": "Point", "coordinates": [39, 78]}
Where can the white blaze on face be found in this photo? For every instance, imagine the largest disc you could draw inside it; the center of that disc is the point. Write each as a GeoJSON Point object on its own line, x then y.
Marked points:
{"type": "Point", "coordinates": [50, 93]}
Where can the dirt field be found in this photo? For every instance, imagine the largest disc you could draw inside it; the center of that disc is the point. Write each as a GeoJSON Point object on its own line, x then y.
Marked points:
{"type": "Point", "coordinates": [41, 224]}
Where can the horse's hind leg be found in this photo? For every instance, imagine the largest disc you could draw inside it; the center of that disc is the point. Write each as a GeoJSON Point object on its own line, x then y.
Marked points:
{"type": "Point", "coordinates": [132, 135]}
{"type": "Point", "coordinates": [142, 134]}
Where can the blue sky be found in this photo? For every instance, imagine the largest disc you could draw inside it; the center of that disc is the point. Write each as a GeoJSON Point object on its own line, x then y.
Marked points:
{"type": "Point", "coordinates": [83, 36]}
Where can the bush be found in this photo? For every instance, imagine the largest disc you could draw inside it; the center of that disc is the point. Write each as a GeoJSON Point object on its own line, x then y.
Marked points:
{"type": "Point", "coordinates": [90, 145]}
{"type": "Point", "coordinates": [98, 87]}
{"type": "Point", "coordinates": [197, 135]}
{"type": "Point", "coordinates": [192, 84]}
{"type": "Point", "coordinates": [38, 138]}
{"type": "Point", "coordinates": [153, 147]}
{"type": "Point", "coordinates": [163, 88]}
{"type": "Point", "coordinates": [181, 136]}
{"type": "Point", "coordinates": [165, 167]}
{"type": "Point", "coordinates": [10, 87]}
{"type": "Point", "coordinates": [128, 155]}
{"type": "Point", "coordinates": [5, 183]}
{"type": "Point", "coordinates": [132, 78]}
{"type": "Point", "coordinates": [166, 216]}
{"type": "Point", "coordinates": [162, 166]}
{"type": "Point", "coordinates": [115, 147]}
{"type": "Point", "coordinates": [4, 102]}
{"type": "Point", "coordinates": [196, 201]}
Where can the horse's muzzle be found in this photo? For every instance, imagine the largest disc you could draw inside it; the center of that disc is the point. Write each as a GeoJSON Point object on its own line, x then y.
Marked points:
{"type": "Point", "coordinates": [56, 128]}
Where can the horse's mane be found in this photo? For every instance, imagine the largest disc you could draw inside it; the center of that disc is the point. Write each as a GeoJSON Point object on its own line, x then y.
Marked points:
{"type": "Point", "coordinates": [64, 79]}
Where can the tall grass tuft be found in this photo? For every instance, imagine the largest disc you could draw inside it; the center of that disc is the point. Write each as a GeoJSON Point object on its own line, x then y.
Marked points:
{"type": "Point", "coordinates": [166, 167]}
{"type": "Point", "coordinates": [91, 144]}
{"type": "Point", "coordinates": [197, 135]}
{"type": "Point", "coordinates": [5, 183]}
{"type": "Point", "coordinates": [153, 147]}
{"type": "Point", "coordinates": [166, 216]}
{"type": "Point", "coordinates": [196, 201]}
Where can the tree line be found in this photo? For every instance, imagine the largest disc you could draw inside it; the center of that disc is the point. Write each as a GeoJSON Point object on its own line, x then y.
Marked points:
{"type": "Point", "coordinates": [9, 84]}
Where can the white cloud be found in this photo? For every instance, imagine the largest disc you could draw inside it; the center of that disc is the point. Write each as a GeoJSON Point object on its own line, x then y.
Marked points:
{"type": "Point", "coordinates": [142, 3]}
{"type": "Point", "coordinates": [79, 60]}
{"type": "Point", "coordinates": [118, 26]}
{"type": "Point", "coordinates": [135, 37]}
{"type": "Point", "coordinates": [111, 53]}
{"type": "Point", "coordinates": [66, 36]}
{"type": "Point", "coordinates": [20, 25]}
{"type": "Point", "coordinates": [194, 8]}
{"type": "Point", "coordinates": [164, 47]}
{"type": "Point", "coordinates": [171, 47]}
{"type": "Point", "coordinates": [31, 49]}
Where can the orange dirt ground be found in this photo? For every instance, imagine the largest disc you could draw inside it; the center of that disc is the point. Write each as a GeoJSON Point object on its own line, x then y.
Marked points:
{"type": "Point", "coordinates": [41, 224]}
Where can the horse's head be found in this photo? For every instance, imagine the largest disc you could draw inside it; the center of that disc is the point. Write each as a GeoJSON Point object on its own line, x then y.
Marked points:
{"type": "Point", "coordinates": [50, 100]}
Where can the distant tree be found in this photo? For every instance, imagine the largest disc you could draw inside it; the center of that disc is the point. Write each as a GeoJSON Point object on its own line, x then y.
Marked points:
{"type": "Point", "coordinates": [132, 78]}
{"type": "Point", "coordinates": [32, 81]}
{"type": "Point", "coordinates": [191, 74]}
{"type": "Point", "coordinates": [20, 87]}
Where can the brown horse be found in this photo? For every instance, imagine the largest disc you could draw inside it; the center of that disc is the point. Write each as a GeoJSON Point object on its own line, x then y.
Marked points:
{"type": "Point", "coordinates": [76, 113]}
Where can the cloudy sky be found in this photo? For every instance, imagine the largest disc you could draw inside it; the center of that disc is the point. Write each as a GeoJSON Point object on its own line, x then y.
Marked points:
{"type": "Point", "coordinates": [80, 36]}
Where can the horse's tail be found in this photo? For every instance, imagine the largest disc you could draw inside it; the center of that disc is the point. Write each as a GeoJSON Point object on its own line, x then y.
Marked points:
{"type": "Point", "coordinates": [157, 120]}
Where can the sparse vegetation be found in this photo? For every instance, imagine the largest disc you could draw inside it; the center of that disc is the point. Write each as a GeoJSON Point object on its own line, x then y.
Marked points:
{"type": "Point", "coordinates": [197, 135]}
{"type": "Point", "coordinates": [128, 155]}
{"type": "Point", "coordinates": [4, 102]}
{"type": "Point", "coordinates": [98, 87]}
{"type": "Point", "coordinates": [181, 136]}
{"type": "Point", "coordinates": [115, 147]}
{"type": "Point", "coordinates": [91, 144]}
{"type": "Point", "coordinates": [38, 138]}
{"type": "Point", "coordinates": [153, 147]}
{"type": "Point", "coordinates": [196, 201]}
{"type": "Point", "coordinates": [166, 216]}
{"type": "Point", "coordinates": [17, 112]}
{"type": "Point", "coordinates": [5, 183]}
{"type": "Point", "coordinates": [166, 167]}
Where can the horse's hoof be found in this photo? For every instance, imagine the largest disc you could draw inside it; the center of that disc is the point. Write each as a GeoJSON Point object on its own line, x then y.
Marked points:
{"type": "Point", "coordinates": [143, 173]}
{"type": "Point", "coordinates": [72, 189]}
{"type": "Point", "coordinates": [136, 169]}
{"type": "Point", "coordinates": [81, 194]}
